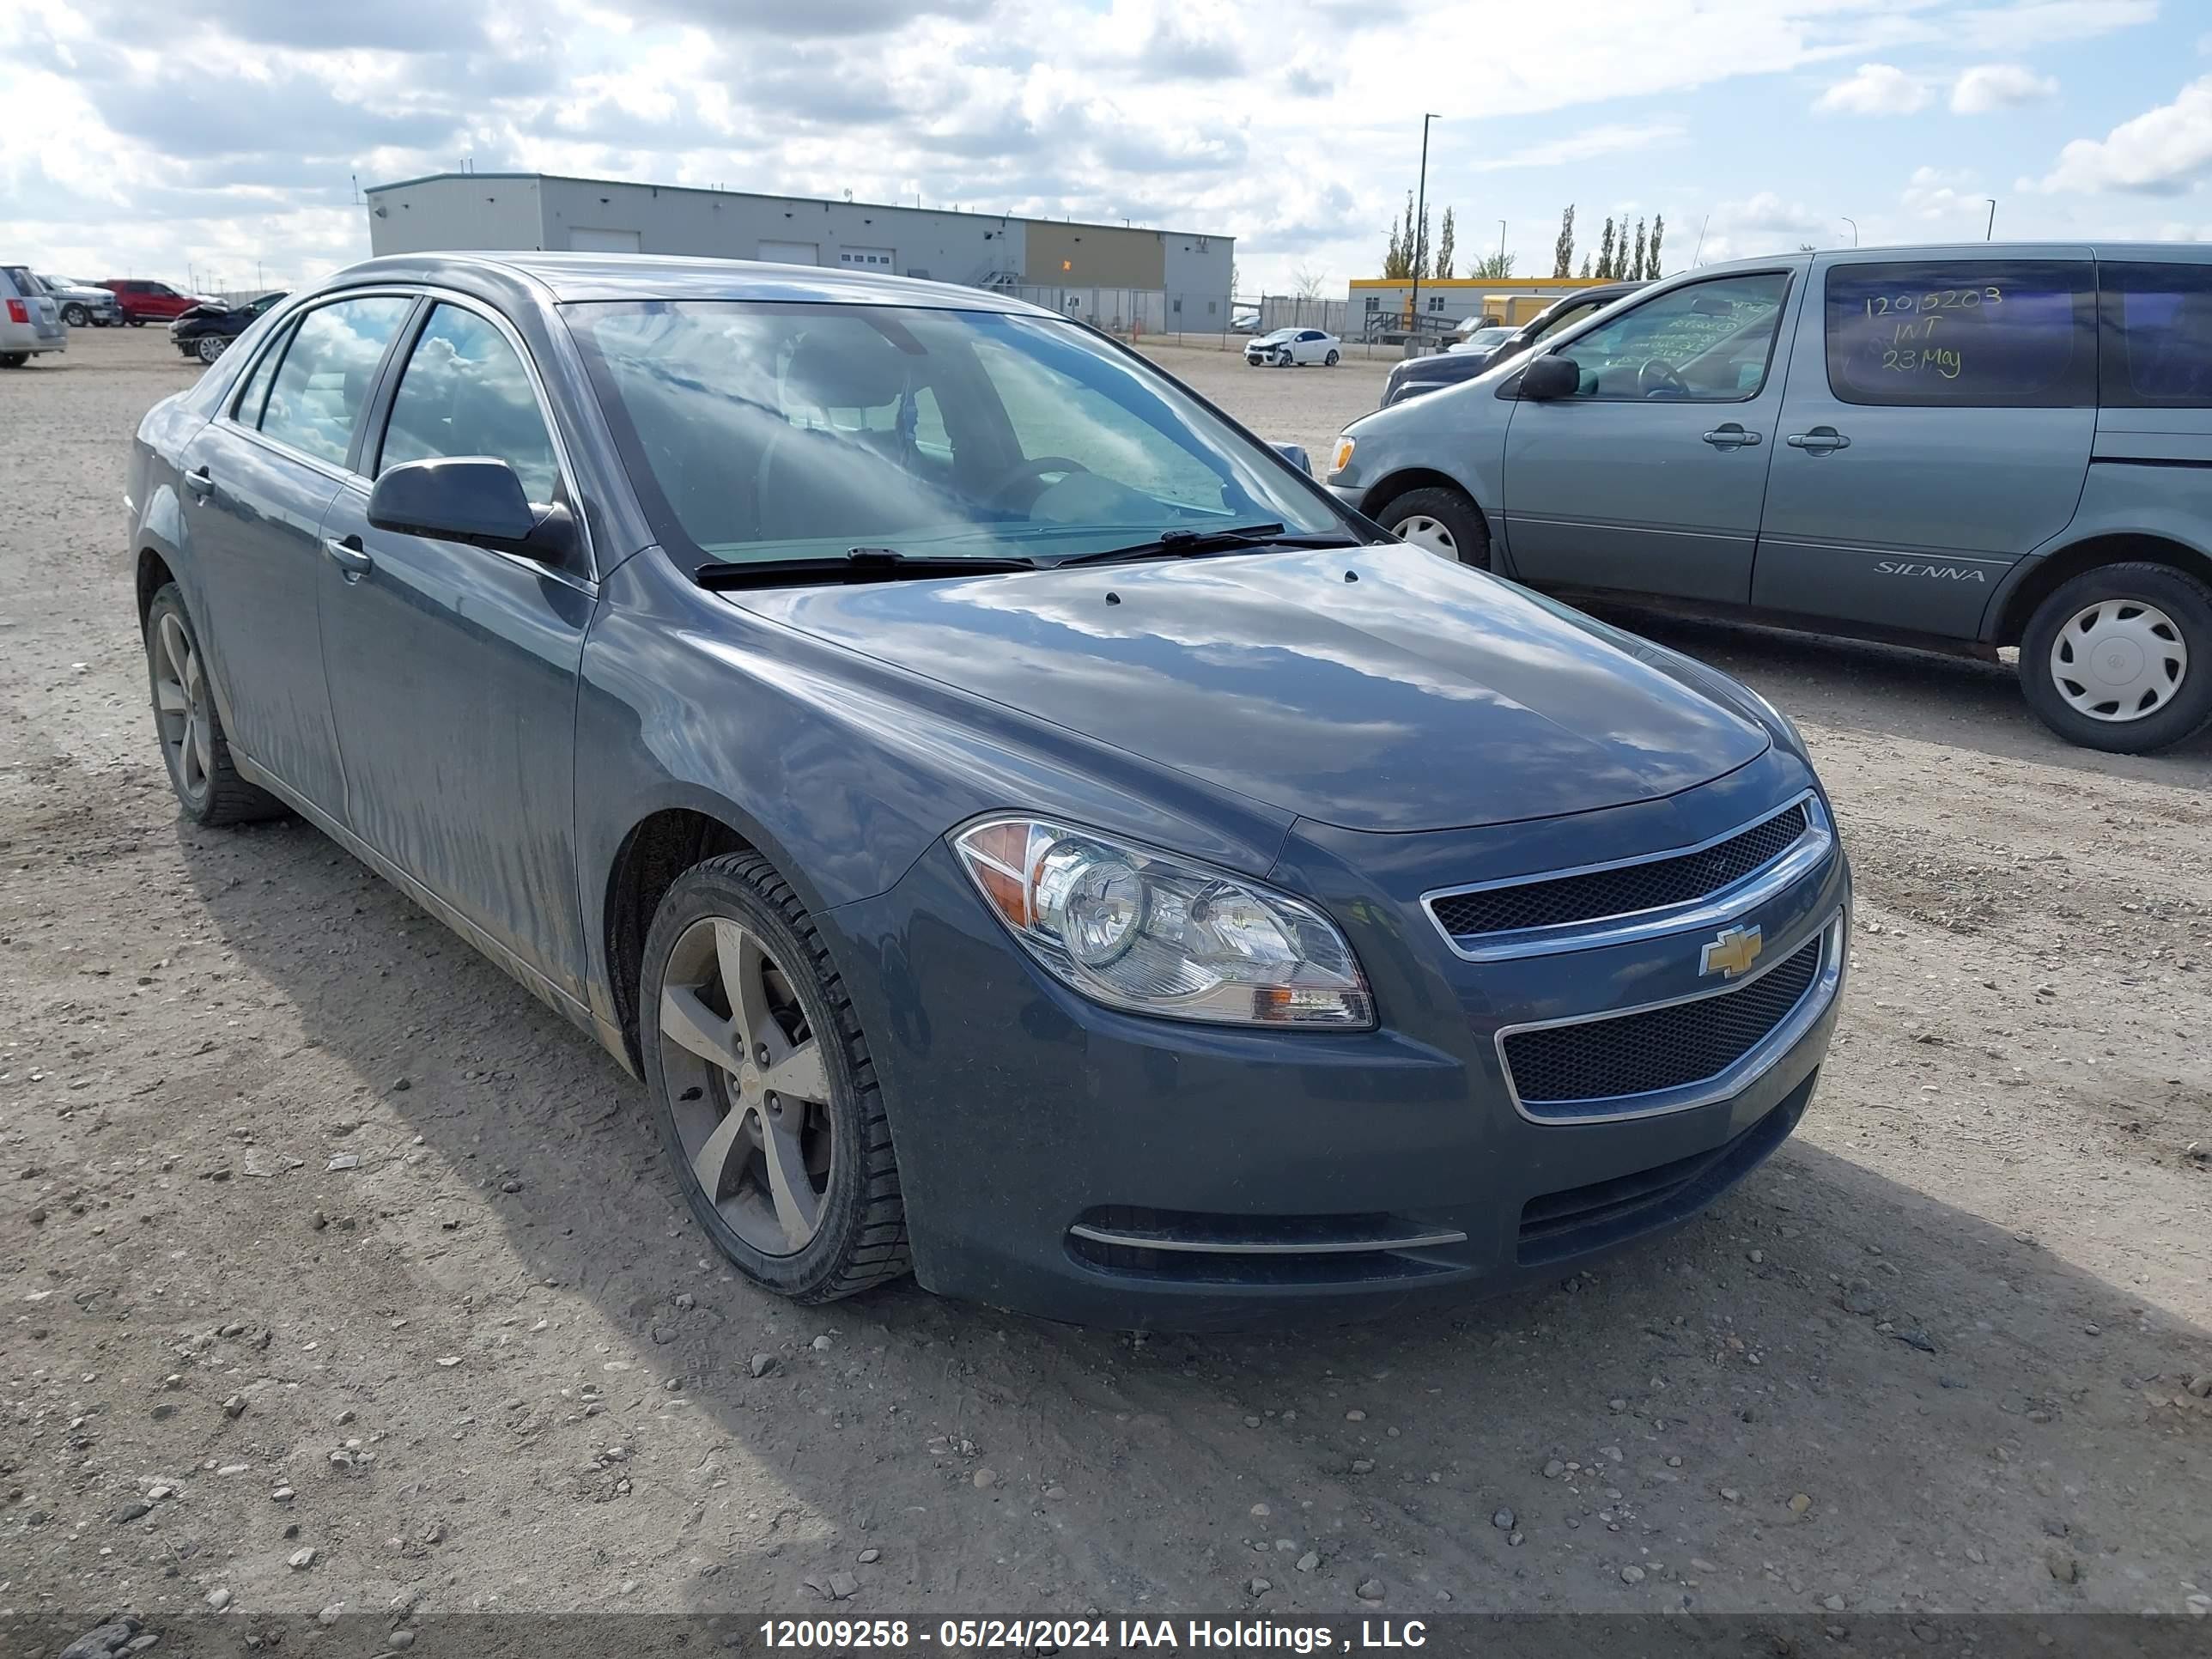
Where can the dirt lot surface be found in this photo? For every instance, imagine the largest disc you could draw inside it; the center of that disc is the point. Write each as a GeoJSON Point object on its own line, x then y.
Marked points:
{"type": "Point", "coordinates": [334, 1270]}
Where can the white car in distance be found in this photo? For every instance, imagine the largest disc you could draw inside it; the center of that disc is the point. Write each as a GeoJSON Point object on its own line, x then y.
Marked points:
{"type": "Point", "coordinates": [1289, 347]}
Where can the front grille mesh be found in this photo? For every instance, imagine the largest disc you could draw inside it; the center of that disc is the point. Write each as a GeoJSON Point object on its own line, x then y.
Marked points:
{"type": "Point", "coordinates": [1669, 1047]}
{"type": "Point", "coordinates": [1625, 892]}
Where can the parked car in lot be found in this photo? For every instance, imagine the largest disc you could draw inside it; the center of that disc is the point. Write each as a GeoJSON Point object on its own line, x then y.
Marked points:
{"type": "Point", "coordinates": [1463, 362]}
{"type": "Point", "coordinates": [1006, 814]}
{"type": "Point", "coordinates": [83, 305]}
{"type": "Point", "coordinates": [206, 331]}
{"type": "Point", "coordinates": [143, 303]}
{"type": "Point", "coordinates": [1963, 448]}
{"type": "Point", "coordinates": [1289, 347]}
{"type": "Point", "coordinates": [30, 320]}
{"type": "Point", "coordinates": [1481, 341]}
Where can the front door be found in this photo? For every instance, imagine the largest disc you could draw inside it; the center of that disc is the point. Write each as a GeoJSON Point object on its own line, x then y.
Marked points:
{"type": "Point", "coordinates": [1938, 426]}
{"type": "Point", "coordinates": [257, 481]}
{"type": "Point", "coordinates": [453, 669]}
{"type": "Point", "coordinates": [1650, 478]}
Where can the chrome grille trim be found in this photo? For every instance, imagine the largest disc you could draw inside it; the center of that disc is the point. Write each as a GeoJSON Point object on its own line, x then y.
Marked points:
{"type": "Point", "coordinates": [1747, 1070]}
{"type": "Point", "coordinates": [1803, 856]}
{"type": "Point", "coordinates": [1162, 1241]}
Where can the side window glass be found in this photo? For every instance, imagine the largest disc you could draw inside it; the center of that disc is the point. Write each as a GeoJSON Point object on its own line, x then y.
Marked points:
{"type": "Point", "coordinates": [2157, 347]}
{"type": "Point", "coordinates": [464, 392]}
{"type": "Point", "coordinates": [1965, 333]}
{"type": "Point", "coordinates": [246, 411]}
{"type": "Point", "coordinates": [1710, 342]}
{"type": "Point", "coordinates": [315, 401]}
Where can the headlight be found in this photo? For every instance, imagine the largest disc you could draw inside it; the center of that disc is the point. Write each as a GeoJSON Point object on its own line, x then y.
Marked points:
{"type": "Point", "coordinates": [1343, 458]}
{"type": "Point", "coordinates": [1140, 930]}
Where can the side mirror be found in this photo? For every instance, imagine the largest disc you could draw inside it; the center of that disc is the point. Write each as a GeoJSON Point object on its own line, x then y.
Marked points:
{"type": "Point", "coordinates": [1551, 378]}
{"type": "Point", "coordinates": [1296, 456]}
{"type": "Point", "coordinates": [466, 498]}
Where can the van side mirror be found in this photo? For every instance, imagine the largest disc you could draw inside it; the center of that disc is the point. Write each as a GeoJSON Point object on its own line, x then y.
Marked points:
{"type": "Point", "coordinates": [473, 499]}
{"type": "Point", "coordinates": [1551, 378]}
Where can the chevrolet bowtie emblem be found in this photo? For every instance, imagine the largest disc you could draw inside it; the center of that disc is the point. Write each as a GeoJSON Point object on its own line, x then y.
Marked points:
{"type": "Point", "coordinates": [1732, 953]}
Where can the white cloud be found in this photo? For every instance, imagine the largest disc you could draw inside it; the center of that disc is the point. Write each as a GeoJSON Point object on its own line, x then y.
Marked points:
{"type": "Point", "coordinates": [1940, 196]}
{"type": "Point", "coordinates": [1583, 147]}
{"type": "Point", "coordinates": [2159, 152]}
{"type": "Point", "coordinates": [1987, 86]}
{"type": "Point", "coordinates": [2041, 23]}
{"type": "Point", "coordinates": [1877, 89]}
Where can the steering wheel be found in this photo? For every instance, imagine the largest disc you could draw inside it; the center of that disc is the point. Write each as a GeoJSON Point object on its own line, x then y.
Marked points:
{"type": "Point", "coordinates": [1034, 470]}
{"type": "Point", "coordinates": [1657, 378]}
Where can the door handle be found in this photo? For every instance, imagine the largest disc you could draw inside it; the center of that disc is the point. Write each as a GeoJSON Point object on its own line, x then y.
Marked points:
{"type": "Point", "coordinates": [199, 482]}
{"type": "Point", "coordinates": [1819, 441]}
{"type": "Point", "coordinates": [1731, 436]}
{"type": "Point", "coordinates": [350, 556]}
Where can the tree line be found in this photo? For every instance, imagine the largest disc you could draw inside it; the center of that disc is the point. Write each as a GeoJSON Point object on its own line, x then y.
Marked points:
{"type": "Point", "coordinates": [1409, 253]}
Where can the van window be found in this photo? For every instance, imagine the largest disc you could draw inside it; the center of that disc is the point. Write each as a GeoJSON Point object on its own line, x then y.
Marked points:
{"type": "Point", "coordinates": [1963, 333]}
{"type": "Point", "coordinates": [1709, 342]}
{"type": "Point", "coordinates": [2156, 351]}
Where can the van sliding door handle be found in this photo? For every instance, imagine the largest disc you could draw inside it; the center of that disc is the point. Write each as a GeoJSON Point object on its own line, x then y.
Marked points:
{"type": "Point", "coordinates": [1820, 440]}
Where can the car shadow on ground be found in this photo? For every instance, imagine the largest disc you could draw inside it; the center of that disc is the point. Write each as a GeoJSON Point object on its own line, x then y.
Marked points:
{"type": "Point", "coordinates": [1923, 1376]}
{"type": "Point", "coordinates": [1891, 691]}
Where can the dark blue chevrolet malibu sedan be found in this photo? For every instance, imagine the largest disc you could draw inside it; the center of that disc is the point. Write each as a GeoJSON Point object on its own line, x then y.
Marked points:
{"type": "Point", "coordinates": [1019, 828]}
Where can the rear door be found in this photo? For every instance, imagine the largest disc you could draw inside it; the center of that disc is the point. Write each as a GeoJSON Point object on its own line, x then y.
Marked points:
{"type": "Point", "coordinates": [1651, 479]}
{"type": "Point", "coordinates": [1939, 422]}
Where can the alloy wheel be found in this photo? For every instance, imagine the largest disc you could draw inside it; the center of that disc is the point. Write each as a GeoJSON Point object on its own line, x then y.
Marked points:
{"type": "Point", "coordinates": [748, 1089]}
{"type": "Point", "coordinates": [1423, 531]}
{"type": "Point", "coordinates": [210, 346]}
{"type": "Point", "coordinates": [180, 698]}
{"type": "Point", "coordinates": [2118, 659]}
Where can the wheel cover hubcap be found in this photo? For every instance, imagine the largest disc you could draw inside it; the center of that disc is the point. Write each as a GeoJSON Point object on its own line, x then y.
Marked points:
{"type": "Point", "coordinates": [747, 1085]}
{"type": "Point", "coordinates": [180, 702]}
{"type": "Point", "coordinates": [1422, 531]}
{"type": "Point", "coordinates": [2118, 660]}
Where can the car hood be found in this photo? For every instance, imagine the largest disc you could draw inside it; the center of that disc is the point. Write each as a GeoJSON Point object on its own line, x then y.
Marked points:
{"type": "Point", "coordinates": [1420, 695]}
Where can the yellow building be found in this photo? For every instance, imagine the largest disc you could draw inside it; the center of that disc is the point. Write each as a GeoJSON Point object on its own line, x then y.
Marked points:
{"type": "Point", "coordinates": [1446, 301]}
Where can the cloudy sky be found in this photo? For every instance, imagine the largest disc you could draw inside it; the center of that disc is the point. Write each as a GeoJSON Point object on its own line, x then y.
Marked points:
{"type": "Point", "coordinates": [209, 143]}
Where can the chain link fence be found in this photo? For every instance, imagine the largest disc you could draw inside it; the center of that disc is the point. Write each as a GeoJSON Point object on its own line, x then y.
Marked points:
{"type": "Point", "coordinates": [1224, 322]}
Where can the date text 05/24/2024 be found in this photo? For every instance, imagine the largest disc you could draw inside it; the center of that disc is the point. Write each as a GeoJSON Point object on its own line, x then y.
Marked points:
{"type": "Point", "coordinates": [955, 1635]}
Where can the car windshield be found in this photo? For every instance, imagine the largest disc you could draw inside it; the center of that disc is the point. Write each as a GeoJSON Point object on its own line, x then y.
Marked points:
{"type": "Point", "coordinates": [758, 430]}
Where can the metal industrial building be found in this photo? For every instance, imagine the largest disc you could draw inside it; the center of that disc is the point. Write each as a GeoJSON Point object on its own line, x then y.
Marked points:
{"type": "Point", "coordinates": [601, 216]}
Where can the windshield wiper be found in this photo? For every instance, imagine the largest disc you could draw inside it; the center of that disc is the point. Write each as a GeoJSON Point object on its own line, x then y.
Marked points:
{"type": "Point", "coordinates": [1193, 543]}
{"type": "Point", "coordinates": [859, 564]}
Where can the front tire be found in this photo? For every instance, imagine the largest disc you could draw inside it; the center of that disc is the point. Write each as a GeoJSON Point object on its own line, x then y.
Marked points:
{"type": "Point", "coordinates": [75, 316]}
{"type": "Point", "coordinates": [208, 347]}
{"type": "Point", "coordinates": [2120, 658]}
{"type": "Point", "coordinates": [769, 1104]}
{"type": "Point", "coordinates": [1442, 521]}
{"type": "Point", "coordinates": [193, 745]}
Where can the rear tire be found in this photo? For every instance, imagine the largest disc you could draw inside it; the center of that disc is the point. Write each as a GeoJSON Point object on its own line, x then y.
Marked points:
{"type": "Point", "coordinates": [812, 1111]}
{"type": "Point", "coordinates": [2120, 658]}
{"type": "Point", "coordinates": [1440, 520]}
{"type": "Point", "coordinates": [1330, 362]}
{"type": "Point", "coordinates": [194, 747]}
{"type": "Point", "coordinates": [14, 359]}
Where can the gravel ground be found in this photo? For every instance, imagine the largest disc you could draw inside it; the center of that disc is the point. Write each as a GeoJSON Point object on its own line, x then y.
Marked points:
{"type": "Point", "coordinates": [334, 1270]}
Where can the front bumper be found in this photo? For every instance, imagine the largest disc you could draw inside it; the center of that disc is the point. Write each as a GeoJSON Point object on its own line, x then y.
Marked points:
{"type": "Point", "coordinates": [1047, 1144]}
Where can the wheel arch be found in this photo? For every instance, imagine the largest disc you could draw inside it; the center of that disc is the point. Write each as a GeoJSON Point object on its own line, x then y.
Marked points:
{"type": "Point", "coordinates": [658, 849]}
{"type": "Point", "coordinates": [2036, 579]}
{"type": "Point", "coordinates": [153, 575]}
{"type": "Point", "coordinates": [1387, 489]}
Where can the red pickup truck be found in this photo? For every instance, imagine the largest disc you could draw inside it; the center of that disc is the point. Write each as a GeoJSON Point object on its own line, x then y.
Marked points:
{"type": "Point", "coordinates": [142, 302]}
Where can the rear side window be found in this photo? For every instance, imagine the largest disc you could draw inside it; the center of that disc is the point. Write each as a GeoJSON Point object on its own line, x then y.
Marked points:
{"type": "Point", "coordinates": [2156, 349]}
{"type": "Point", "coordinates": [246, 411]}
{"type": "Point", "coordinates": [315, 401]}
{"type": "Point", "coordinates": [16, 282]}
{"type": "Point", "coordinates": [1963, 334]}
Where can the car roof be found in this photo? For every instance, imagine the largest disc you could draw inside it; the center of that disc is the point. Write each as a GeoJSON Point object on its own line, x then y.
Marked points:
{"type": "Point", "coordinates": [568, 277]}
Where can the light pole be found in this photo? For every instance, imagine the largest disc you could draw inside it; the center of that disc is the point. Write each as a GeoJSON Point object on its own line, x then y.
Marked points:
{"type": "Point", "coordinates": [1413, 236]}
{"type": "Point", "coordinates": [1501, 248]}
{"type": "Point", "coordinates": [1990, 230]}
{"type": "Point", "coordinates": [1853, 224]}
